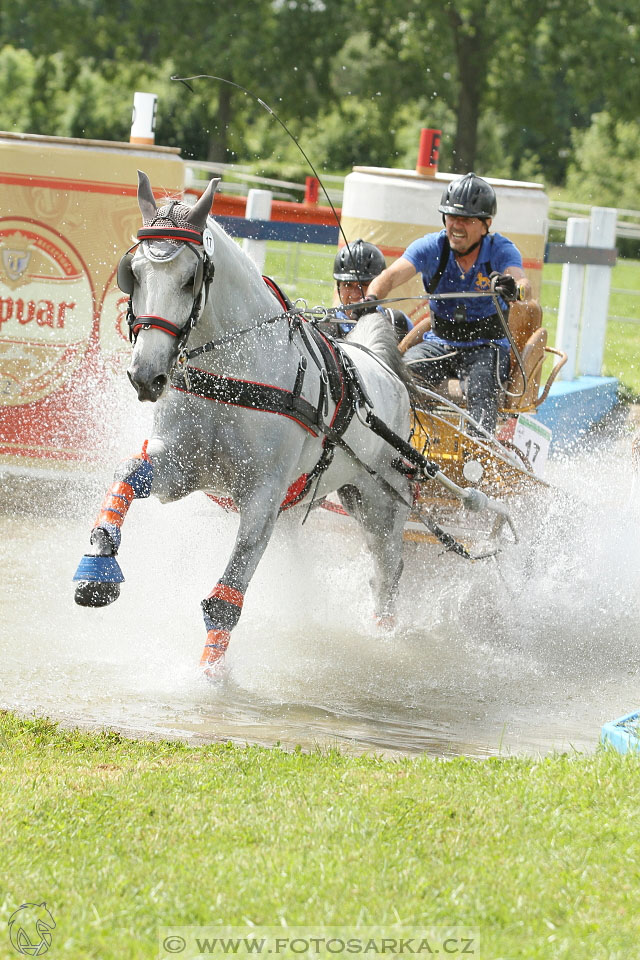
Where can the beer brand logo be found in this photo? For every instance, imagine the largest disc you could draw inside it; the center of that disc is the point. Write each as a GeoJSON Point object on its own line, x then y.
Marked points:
{"type": "Point", "coordinates": [15, 259]}
{"type": "Point", "coordinates": [46, 311]}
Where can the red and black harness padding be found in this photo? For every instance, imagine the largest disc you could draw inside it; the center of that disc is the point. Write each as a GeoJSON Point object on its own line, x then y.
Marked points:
{"type": "Point", "coordinates": [338, 380]}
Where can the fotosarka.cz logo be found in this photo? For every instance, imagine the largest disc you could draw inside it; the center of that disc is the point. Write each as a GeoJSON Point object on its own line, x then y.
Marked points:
{"type": "Point", "coordinates": [378, 942]}
{"type": "Point", "coordinates": [29, 929]}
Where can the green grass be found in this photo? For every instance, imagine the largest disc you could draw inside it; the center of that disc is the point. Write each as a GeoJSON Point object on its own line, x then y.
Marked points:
{"type": "Point", "coordinates": [122, 837]}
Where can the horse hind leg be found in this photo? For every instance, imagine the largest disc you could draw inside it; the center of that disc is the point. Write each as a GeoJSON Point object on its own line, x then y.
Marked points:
{"type": "Point", "coordinates": [382, 518]}
{"type": "Point", "coordinates": [98, 576]}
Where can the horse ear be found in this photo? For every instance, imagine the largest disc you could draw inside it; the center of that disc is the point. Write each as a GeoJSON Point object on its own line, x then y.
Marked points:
{"type": "Point", "coordinates": [202, 208]}
{"type": "Point", "coordinates": [146, 199]}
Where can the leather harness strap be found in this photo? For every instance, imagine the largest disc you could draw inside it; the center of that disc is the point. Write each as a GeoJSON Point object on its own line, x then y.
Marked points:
{"type": "Point", "coordinates": [337, 371]}
{"type": "Point", "coordinates": [248, 394]}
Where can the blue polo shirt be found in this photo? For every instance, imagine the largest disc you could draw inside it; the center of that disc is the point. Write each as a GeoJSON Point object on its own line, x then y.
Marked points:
{"type": "Point", "coordinates": [496, 253]}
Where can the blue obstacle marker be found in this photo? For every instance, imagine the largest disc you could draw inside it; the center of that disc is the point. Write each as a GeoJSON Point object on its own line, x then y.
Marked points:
{"type": "Point", "coordinates": [623, 734]}
{"type": "Point", "coordinates": [573, 406]}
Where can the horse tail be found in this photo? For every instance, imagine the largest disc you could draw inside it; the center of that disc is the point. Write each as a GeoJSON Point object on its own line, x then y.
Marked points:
{"type": "Point", "coordinates": [375, 333]}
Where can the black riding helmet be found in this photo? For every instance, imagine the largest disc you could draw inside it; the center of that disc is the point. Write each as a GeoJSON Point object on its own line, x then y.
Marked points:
{"type": "Point", "coordinates": [470, 196]}
{"type": "Point", "coordinates": [361, 261]}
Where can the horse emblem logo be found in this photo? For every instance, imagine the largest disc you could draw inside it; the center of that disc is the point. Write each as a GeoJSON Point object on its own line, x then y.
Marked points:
{"type": "Point", "coordinates": [482, 282]}
{"type": "Point", "coordinates": [29, 928]}
{"type": "Point", "coordinates": [15, 260]}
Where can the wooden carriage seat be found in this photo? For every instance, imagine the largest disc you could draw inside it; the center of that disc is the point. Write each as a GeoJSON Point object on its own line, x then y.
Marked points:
{"type": "Point", "coordinates": [525, 323]}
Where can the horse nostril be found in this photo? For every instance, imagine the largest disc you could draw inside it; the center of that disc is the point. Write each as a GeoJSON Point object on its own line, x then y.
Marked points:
{"type": "Point", "coordinates": [159, 383]}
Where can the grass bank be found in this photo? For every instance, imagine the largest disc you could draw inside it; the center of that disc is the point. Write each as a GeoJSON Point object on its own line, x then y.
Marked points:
{"type": "Point", "coordinates": [122, 837]}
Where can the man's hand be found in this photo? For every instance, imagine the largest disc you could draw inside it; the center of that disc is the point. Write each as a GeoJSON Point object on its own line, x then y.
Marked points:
{"type": "Point", "coordinates": [364, 306]}
{"type": "Point", "coordinates": [505, 286]}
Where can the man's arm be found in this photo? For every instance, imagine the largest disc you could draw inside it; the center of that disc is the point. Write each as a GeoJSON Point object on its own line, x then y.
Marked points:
{"type": "Point", "coordinates": [399, 272]}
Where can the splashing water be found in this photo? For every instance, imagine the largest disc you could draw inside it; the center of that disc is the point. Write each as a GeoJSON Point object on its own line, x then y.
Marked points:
{"type": "Point", "coordinates": [528, 654]}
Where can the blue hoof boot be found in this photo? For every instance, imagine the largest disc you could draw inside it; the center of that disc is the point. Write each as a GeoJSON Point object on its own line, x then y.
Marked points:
{"type": "Point", "coordinates": [99, 580]}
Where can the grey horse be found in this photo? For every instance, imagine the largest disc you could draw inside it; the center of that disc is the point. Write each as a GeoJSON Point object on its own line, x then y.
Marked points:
{"type": "Point", "coordinates": [261, 420]}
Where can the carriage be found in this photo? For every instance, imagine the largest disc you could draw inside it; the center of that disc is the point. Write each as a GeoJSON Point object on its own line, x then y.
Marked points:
{"type": "Point", "coordinates": [503, 466]}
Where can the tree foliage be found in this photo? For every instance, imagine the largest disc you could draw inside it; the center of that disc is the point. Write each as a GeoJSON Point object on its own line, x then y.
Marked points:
{"type": "Point", "coordinates": [605, 166]}
{"type": "Point", "coordinates": [511, 85]}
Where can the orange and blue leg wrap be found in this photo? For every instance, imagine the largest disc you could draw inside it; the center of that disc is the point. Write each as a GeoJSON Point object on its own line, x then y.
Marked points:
{"type": "Point", "coordinates": [221, 611]}
{"type": "Point", "coordinates": [132, 480]}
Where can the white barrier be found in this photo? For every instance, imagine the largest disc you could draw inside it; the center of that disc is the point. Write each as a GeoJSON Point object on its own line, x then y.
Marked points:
{"type": "Point", "coordinates": [597, 286]}
{"type": "Point", "coordinates": [258, 208]}
{"type": "Point", "coordinates": [570, 306]}
{"type": "Point", "coordinates": [143, 120]}
{"type": "Point", "coordinates": [588, 256]}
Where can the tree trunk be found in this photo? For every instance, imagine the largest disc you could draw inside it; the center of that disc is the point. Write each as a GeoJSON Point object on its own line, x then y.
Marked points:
{"type": "Point", "coordinates": [472, 56]}
{"type": "Point", "coordinates": [220, 137]}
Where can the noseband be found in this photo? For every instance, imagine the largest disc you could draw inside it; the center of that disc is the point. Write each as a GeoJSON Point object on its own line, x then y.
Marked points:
{"type": "Point", "coordinates": [201, 244]}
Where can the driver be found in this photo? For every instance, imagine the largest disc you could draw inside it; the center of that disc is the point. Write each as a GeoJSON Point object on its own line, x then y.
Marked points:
{"type": "Point", "coordinates": [462, 338]}
{"type": "Point", "coordinates": [354, 268]}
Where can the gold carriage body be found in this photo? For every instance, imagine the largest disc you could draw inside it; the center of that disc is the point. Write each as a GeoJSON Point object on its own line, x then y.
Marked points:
{"type": "Point", "coordinates": [440, 432]}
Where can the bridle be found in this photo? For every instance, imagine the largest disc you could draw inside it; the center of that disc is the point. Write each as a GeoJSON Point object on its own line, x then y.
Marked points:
{"type": "Point", "coordinates": [201, 245]}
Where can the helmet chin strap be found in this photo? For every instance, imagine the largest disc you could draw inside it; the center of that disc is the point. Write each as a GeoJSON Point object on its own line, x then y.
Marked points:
{"type": "Point", "coordinates": [465, 253]}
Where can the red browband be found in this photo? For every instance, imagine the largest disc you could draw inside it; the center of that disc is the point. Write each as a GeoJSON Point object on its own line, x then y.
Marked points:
{"type": "Point", "coordinates": [170, 233]}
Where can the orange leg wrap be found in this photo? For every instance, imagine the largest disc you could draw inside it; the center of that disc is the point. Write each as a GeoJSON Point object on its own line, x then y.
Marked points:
{"type": "Point", "coordinates": [116, 503]}
{"type": "Point", "coordinates": [214, 650]}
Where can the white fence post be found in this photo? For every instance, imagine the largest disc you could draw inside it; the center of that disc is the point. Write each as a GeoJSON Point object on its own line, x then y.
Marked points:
{"type": "Point", "coordinates": [143, 119]}
{"type": "Point", "coordinates": [570, 306]}
{"type": "Point", "coordinates": [258, 208]}
{"type": "Point", "coordinates": [595, 306]}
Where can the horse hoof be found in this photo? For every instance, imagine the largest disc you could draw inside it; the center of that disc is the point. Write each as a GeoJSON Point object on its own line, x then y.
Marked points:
{"type": "Point", "coordinates": [91, 593]}
{"type": "Point", "coordinates": [98, 580]}
{"type": "Point", "coordinates": [386, 623]}
{"type": "Point", "coordinates": [214, 672]}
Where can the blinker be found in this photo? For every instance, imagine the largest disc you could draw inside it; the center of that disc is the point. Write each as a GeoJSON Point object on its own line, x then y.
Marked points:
{"type": "Point", "coordinates": [124, 275]}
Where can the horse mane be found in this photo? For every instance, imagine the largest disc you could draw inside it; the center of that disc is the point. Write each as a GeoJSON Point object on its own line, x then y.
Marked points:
{"type": "Point", "coordinates": [375, 333]}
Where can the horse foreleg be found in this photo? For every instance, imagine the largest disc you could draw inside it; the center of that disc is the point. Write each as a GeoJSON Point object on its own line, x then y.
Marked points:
{"type": "Point", "coordinates": [222, 608]}
{"type": "Point", "coordinates": [98, 575]}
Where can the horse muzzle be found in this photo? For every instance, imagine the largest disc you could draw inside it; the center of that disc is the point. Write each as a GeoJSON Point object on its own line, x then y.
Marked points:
{"type": "Point", "coordinates": [147, 387]}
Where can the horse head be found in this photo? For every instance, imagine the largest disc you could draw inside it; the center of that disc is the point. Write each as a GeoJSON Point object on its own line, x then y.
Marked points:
{"type": "Point", "coordinates": [167, 278]}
